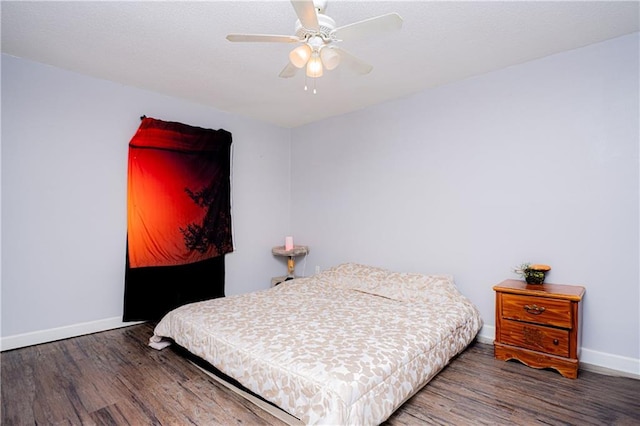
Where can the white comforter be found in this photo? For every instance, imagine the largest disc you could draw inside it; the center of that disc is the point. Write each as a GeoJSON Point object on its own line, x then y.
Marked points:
{"type": "Point", "coordinates": [346, 346]}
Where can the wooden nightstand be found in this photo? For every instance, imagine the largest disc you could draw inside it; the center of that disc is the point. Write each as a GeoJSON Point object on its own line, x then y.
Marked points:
{"type": "Point", "coordinates": [539, 325]}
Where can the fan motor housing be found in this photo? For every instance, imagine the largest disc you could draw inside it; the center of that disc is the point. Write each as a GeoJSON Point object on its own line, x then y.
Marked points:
{"type": "Point", "coordinates": [325, 23]}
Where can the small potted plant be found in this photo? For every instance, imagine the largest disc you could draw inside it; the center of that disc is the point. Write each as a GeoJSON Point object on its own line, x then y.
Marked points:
{"type": "Point", "coordinates": [533, 273]}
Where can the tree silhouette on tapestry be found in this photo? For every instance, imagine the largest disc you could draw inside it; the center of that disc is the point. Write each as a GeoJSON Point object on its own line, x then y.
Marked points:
{"type": "Point", "coordinates": [214, 228]}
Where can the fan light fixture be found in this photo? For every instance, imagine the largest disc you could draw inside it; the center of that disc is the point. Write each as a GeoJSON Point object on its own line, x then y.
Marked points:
{"type": "Point", "coordinates": [315, 56]}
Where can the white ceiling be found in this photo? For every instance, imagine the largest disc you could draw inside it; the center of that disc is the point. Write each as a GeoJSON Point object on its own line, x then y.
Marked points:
{"type": "Point", "coordinates": [179, 48]}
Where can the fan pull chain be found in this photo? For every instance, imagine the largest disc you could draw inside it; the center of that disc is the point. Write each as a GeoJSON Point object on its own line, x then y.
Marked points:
{"type": "Point", "coordinates": [306, 86]}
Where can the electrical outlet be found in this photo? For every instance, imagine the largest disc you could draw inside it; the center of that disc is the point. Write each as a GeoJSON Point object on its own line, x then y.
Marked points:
{"type": "Point", "coordinates": [317, 269]}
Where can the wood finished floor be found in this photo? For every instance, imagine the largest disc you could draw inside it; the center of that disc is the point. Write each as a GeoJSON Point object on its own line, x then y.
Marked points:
{"type": "Point", "coordinates": [114, 378]}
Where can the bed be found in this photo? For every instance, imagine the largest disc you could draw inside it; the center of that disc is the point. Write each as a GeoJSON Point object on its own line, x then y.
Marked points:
{"type": "Point", "coordinates": [346, 346]}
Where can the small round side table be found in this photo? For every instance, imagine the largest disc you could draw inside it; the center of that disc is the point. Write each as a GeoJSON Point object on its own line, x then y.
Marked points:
{"type": "Point", "coordinates": [291, 262]}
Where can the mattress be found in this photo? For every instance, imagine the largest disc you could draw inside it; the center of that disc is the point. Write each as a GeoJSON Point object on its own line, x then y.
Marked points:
{"type": "Point", "coordinates": [346, 346]}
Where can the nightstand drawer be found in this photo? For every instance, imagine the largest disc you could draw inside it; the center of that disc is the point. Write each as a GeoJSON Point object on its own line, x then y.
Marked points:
{"type": "Point", "coordinates": [544, 339]}
{"type": "Point", "coordinates": [538, 310]}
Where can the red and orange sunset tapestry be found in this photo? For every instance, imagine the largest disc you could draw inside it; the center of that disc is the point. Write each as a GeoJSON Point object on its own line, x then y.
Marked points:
{"type": "Point", "coordinates": [178, 194]}
{"type": "Point", "coordinates": [178, 217]}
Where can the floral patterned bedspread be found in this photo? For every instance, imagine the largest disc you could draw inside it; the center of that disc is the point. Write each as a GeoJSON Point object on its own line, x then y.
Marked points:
{"type": "Point", "coordinates": [346, 346]}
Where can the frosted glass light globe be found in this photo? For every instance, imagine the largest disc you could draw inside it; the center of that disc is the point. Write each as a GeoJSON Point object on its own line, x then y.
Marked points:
{"type": "Point", "coordinates": [300, 55]}
{"type": "Point", "coordinates": [330, 58]}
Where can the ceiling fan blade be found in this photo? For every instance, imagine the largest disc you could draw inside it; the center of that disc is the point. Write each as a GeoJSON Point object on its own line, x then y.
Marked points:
{"type": "Point", "coordinates": [263, 38]}
{"type": "Point", "coordinates": [367, 27]}
{"type": "Point", "coordinates": [289, 71]}
{"type": "Point", "coordinates": [306, 12]}
{"type": "Point", "coordinates": [356, 64]}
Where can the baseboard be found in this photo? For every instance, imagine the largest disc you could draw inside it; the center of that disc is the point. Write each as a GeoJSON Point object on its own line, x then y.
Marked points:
{"type": "Point", "coordinates": [590, 360]}
{"type": "Point", "coordinates": [53, 334]}
{"type": "Point", "coordinates": [609, 364]}
{"type": "Point", "coordinates": [486, 334]}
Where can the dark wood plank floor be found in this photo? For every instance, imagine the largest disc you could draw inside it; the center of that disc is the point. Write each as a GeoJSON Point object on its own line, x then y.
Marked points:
{"type": "Point", "coordinates": [114, 378]}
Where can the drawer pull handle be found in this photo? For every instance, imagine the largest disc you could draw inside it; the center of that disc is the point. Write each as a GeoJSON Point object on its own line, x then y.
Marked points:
{"type": "Point", "coordinates": [555, 342]}
{"type": "Point", "coordinates": [534, 309]}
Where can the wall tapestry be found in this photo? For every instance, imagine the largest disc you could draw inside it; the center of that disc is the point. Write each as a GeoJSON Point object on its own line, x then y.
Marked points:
{"type": "Point", "coordinates": [178, 217]}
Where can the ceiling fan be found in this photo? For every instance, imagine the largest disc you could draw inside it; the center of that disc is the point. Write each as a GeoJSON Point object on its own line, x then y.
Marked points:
{"type": "Point", "coordinates": [319, 37]}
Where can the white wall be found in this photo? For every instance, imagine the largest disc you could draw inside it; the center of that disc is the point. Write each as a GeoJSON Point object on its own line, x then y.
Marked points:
{"type": "Point", "coordinates": [64, 173]}
{"type": "Point", "coordinates": [536, 162]}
